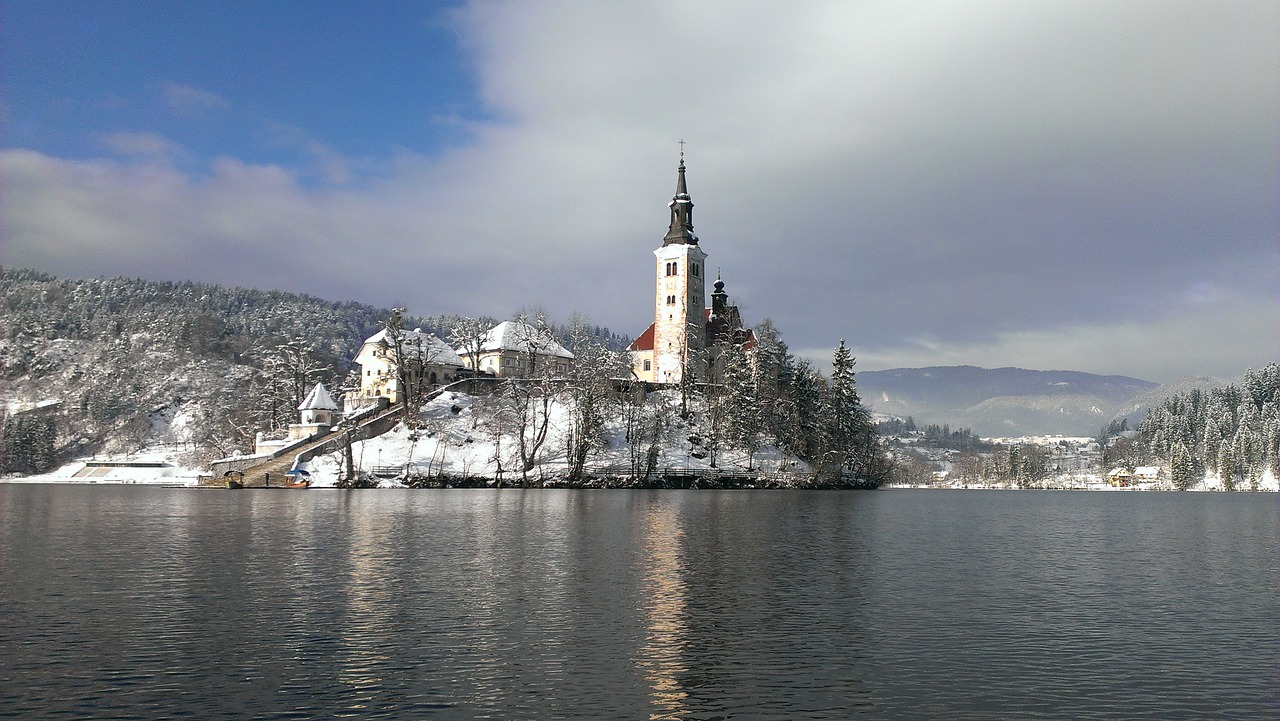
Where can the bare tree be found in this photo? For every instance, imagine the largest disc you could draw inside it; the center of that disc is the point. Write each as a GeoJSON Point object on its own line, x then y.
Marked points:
{"type": "Point", "coordinates": [288, 372]}
{"type": "Point", "coordinates": [410, 354]}
{"type": "Point", "coordinates": [643, 425]}
{"type": "Point", "coordinates": [588, 392]}
{"type": "Point", "coordinates": [535, 341]}
{"type": "Point", "coordinates": [468, 336]}
{"type": "Point", "coordinates": [391, 349]}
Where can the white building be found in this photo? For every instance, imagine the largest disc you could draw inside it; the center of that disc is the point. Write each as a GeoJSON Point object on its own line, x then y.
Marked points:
{"type": "Point", "coordinates": [317, 414]}
{"type": "Point", "coordinates": [429, 362]}
{"type": "Point", "coordinates": [517, 349]}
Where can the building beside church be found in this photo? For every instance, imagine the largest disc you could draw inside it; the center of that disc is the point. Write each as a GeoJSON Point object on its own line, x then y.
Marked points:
{"type": "Point", "coordinates": [516, 349]}
{"type": "Point", "coordinates": [430, 361]}
{"type": "Point", "coordinates": [686, 336]}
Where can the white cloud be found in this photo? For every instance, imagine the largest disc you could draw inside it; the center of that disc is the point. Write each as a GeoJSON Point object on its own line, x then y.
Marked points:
{"type": "Point", "coordinates": [191, 101]}
{"type": "Point", "coordinates": [326, 160]}
{"type": "Point", "coordinates": [143, 146]}
{"type": "Point", "coordinates": [1023, 183]}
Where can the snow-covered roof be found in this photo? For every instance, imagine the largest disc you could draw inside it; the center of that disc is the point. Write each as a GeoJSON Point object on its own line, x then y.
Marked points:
{"type": "Point", "coordinates": [434, 350]}
{"type": "Point", "coordinates": [318, 400]}
{"type": "Point", "coordinates": [517, 336]}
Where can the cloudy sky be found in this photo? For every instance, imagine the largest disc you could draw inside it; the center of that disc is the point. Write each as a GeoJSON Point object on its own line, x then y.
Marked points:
{"type": "Point", "coordinates": [1055, 185]}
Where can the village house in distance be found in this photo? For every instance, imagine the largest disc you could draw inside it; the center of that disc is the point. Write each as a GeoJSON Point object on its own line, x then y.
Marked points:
{"type": "Point", "coordinates": [686, 336]}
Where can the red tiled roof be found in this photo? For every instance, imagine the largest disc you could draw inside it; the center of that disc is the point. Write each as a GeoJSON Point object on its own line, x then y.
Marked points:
{"type": "Point", "coordinates": [714, 327]}
{"type": "Point", "coordinates": [645, 341]}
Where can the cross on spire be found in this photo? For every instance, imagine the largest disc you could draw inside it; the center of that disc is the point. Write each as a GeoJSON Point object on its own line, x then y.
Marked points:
{"type": "Point", "coordinates": [682, 150]}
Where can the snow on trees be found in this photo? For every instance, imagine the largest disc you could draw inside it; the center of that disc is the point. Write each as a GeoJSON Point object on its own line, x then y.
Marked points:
{"type": "Point", "coordinates": [1232, 431]}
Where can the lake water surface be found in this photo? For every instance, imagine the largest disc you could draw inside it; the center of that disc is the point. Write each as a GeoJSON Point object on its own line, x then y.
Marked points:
{"type": "Point", "coordinates": [122, 602]}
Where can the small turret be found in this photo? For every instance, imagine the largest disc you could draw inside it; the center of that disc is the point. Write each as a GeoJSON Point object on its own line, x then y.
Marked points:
{"type": "Point", "coordinates": [719, 298]}
{"type": "Point", "coordinates": [317, 413]}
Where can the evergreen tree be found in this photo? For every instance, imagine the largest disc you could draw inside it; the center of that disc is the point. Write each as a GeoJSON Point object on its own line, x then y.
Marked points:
{"type": "Point", "coordinates": [803, 429]}
{"type": "Point", "coordinates": [27, 444]}
{"type": "Point", "coordinates": [1182, 467]}
{"type": "Point", "coordinates": [851, 443]}
{"type": "Point", "coordinates": [744, 419]}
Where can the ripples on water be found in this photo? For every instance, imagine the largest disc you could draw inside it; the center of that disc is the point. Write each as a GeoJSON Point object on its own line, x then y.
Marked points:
{"type": "Point", "coordinates": [123, 602]}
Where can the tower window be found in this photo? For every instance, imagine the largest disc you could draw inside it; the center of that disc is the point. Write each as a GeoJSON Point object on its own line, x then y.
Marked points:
{"type": "Point", "coordinates": [695, 270]}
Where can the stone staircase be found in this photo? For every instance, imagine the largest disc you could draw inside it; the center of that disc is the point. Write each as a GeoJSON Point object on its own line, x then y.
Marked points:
{"type": "Point", "coordinates": [270, 472]}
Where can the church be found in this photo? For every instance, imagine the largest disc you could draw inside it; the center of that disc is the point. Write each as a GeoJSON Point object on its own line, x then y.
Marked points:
{"type": "Point", "coordinates": [686, 337]}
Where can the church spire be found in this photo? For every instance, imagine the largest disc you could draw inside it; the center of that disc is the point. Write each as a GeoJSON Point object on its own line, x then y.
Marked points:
{"type": "Point", "coordinates": [681, 229]}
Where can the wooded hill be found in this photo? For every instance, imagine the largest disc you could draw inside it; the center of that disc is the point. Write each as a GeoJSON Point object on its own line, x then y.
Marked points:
{"type": "Point", "coordinates": [93, 365]}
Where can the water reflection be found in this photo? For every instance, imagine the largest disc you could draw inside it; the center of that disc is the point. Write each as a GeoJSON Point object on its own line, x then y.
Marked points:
{"type": "Point", "coordinates": [148, 603]}
{"type": "Point", "coordinates": [368, 602]}
{"type": "Point", "coordinates": [665, 596]}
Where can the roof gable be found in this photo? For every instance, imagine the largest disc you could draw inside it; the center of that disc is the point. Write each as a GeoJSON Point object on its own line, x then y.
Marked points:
{"type": "Point", "coordinates": [433, 350]}
{"type": "Point", "coordinates": [516, 336]}
{"type": "Point", "coordinates": [318, 400]}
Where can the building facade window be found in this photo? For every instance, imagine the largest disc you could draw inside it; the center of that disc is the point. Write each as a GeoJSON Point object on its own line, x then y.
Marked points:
{"type": "Point", "coordinates": [648, 365]}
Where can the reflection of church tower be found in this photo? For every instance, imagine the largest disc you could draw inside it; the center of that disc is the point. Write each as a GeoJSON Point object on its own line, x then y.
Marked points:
{"type": "Point", "coordinates": [679, 325]}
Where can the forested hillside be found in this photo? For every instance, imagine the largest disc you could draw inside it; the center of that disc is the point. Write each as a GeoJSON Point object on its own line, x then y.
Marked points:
{"type": "Point", "coordinates": [101, 364]}
{"type": "Point", "coordinates": [1232, 432]}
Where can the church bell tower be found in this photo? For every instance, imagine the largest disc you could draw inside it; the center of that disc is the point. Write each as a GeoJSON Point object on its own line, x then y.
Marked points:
{"type": "Point", "coordinates": [679, 322]}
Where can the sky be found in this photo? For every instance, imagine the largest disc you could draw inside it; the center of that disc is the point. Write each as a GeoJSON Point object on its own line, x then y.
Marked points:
{"type": "Point", "coordinates": [1060, 185]}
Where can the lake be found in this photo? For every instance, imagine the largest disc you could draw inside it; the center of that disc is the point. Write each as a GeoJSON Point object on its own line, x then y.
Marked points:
{"type": "Point", "coordinates": [126, 602]}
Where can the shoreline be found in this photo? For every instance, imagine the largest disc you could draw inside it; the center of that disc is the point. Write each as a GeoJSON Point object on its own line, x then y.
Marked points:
{"type": "Point", "coordinates": [186, 482]}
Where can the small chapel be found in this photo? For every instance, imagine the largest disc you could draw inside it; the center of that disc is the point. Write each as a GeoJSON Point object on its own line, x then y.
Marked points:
{"type": "Point", "coordinates": [687, 336]}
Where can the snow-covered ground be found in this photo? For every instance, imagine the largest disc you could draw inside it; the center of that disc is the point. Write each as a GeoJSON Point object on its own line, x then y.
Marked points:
{"type": "Point", "coordinates": [144, 468]}
{"type": "Point", "coordinates": [460, 436]}
{"type": "Point", "coordinates": [164, 457]}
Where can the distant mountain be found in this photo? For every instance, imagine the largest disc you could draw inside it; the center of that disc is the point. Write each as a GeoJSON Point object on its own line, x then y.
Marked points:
{"type": "Point", "coordinates": [1001, 401]}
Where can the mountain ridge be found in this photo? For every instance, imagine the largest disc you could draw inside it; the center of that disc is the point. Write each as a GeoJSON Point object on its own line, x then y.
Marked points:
{"type": "Point", "coordinates": [1001, 402]}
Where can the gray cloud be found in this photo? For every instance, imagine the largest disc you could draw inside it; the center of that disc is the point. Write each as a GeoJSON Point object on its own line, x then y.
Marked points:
{"type": "Point", "coordinates": [1073, 185]}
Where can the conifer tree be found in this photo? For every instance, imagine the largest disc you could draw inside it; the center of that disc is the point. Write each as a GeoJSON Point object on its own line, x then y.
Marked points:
{"type": "Point", "coordinates": [744, 417]}
{"type": "Point", "coordinates": [1182, 467]}
{"type": "Point", "coordinates": [851, 443]}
